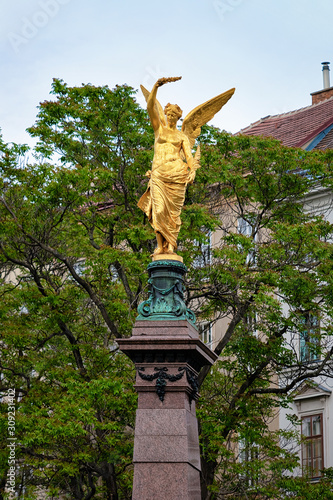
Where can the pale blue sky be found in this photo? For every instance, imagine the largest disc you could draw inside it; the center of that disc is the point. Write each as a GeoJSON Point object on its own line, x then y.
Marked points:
{"type": "Point", "coordinates": [270, 50]}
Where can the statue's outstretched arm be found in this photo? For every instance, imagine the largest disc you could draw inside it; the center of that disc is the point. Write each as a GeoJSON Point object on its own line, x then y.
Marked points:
{"type": "Point", "coordinates": [151, 102]}
{"type": "Point", "coordinates": [151, 108]}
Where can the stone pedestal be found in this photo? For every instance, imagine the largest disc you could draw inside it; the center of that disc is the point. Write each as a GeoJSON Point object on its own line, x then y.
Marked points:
{"type": "Point", "coordinates": [168, 356]}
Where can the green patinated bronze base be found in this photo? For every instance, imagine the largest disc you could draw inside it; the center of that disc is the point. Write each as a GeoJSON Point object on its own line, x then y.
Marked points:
{"type": "Point", "coordinates": [166, 294]}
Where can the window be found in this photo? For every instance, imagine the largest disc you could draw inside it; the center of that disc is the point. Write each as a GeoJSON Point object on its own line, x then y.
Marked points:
{"type": "Point", "coordinates": [204, 259]}
{"type": "Point", "coordinates": [309, 341]}
{"type": "Point", "coordinates": [312, 445]}
{"type": "Point", "coordinates": [80, 267]}
{"type": "Point", "coordinates": [248, 455]}
{"type": "Point", "coordinates": [23, 310]}
{"type": "Point", "coordinates": [205, 332]}
{"type": "Point", "coordinates": [245, 227]}
{"type": "Point", "coordinates": [251, 324]}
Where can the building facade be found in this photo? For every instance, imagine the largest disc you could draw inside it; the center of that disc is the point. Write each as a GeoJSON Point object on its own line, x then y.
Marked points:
{"type": "Point", "coordinates": [309, 128]}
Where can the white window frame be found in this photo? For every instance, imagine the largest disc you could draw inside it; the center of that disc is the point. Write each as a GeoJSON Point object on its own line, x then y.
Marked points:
{"type": "Point", "coordinates": [311, 323]}
{"type": "Point", "coordinates": [206, 250]}
{"type": "Point", "coordinates": [312, 438]}
{"type": "Point", "coordinates": [206, 333]}
{"type": "Point", "coordinates": [245, 228]}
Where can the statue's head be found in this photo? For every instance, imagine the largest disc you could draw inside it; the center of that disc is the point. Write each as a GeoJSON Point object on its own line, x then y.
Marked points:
{"type": "Point", "coordinates": [175, 108]}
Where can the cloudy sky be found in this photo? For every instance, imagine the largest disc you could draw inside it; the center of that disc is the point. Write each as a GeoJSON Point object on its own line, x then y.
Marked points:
{"type": "Point", "coordinates": [270, 50]}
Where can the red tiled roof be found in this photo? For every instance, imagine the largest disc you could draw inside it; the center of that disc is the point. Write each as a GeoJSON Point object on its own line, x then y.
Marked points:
{"type": "Point", "coordinates": [296, 128]}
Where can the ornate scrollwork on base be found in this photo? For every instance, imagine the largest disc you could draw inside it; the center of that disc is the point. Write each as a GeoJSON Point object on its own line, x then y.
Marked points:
{"type": "Point", "coordinates": [166, 294]}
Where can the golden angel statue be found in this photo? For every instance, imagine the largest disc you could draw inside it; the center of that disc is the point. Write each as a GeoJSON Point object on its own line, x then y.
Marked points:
{"type": "Point", "coordinates": [170, 174]}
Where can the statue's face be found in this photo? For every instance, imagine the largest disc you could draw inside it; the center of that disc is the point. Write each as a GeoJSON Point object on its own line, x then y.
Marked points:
{"type": "Point", "coordinates": [172, 116]}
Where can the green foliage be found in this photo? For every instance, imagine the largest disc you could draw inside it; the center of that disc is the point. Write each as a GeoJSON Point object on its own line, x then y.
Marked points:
{"type": "Point", "coordinates": [73, 254]}
{"type": "Point", "coordinates": [260, 284]}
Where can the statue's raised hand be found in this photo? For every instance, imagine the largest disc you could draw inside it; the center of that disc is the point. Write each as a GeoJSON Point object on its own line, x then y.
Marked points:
{"type": "Point", "coordinates": [162, 81]}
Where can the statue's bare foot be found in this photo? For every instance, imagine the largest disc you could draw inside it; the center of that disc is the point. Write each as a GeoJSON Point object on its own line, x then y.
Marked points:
{"type": "Point", "coordinates": [169, 250]}
{"type": "Point", "coordinates": [157, 251]}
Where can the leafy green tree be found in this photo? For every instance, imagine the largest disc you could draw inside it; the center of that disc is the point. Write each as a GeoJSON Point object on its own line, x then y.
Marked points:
{"type": "Point", "coordinates": [72, 272]}
{"type": "Point", "coordinates": [74, 249]}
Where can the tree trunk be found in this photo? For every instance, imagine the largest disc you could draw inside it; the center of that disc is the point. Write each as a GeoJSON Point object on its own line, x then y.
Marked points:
{"type": "Point", "coordinates": [110, 481]}
{"type": "Point", "coordinates": [207, 478]}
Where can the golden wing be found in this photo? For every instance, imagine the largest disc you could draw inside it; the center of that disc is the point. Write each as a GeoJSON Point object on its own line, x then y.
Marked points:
{"type": "Point", "coordinates": [158, 107]}
{"type": "Point", "coordinates": [200, 115]}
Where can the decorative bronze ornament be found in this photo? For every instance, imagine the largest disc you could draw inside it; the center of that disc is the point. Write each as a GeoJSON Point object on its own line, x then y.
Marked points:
{"type": "Point", "coordinates": [161, 376]}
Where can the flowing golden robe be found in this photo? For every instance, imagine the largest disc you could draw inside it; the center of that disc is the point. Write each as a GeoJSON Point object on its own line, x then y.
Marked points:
{"type": "Point", "coordinates": [165, 195]}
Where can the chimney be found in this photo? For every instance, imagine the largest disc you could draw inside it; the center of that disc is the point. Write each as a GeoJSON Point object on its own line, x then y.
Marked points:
{"type": "Point", "coordinates": [327, 91]}
{"type": "Point", "coordinates": [326, 75]}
